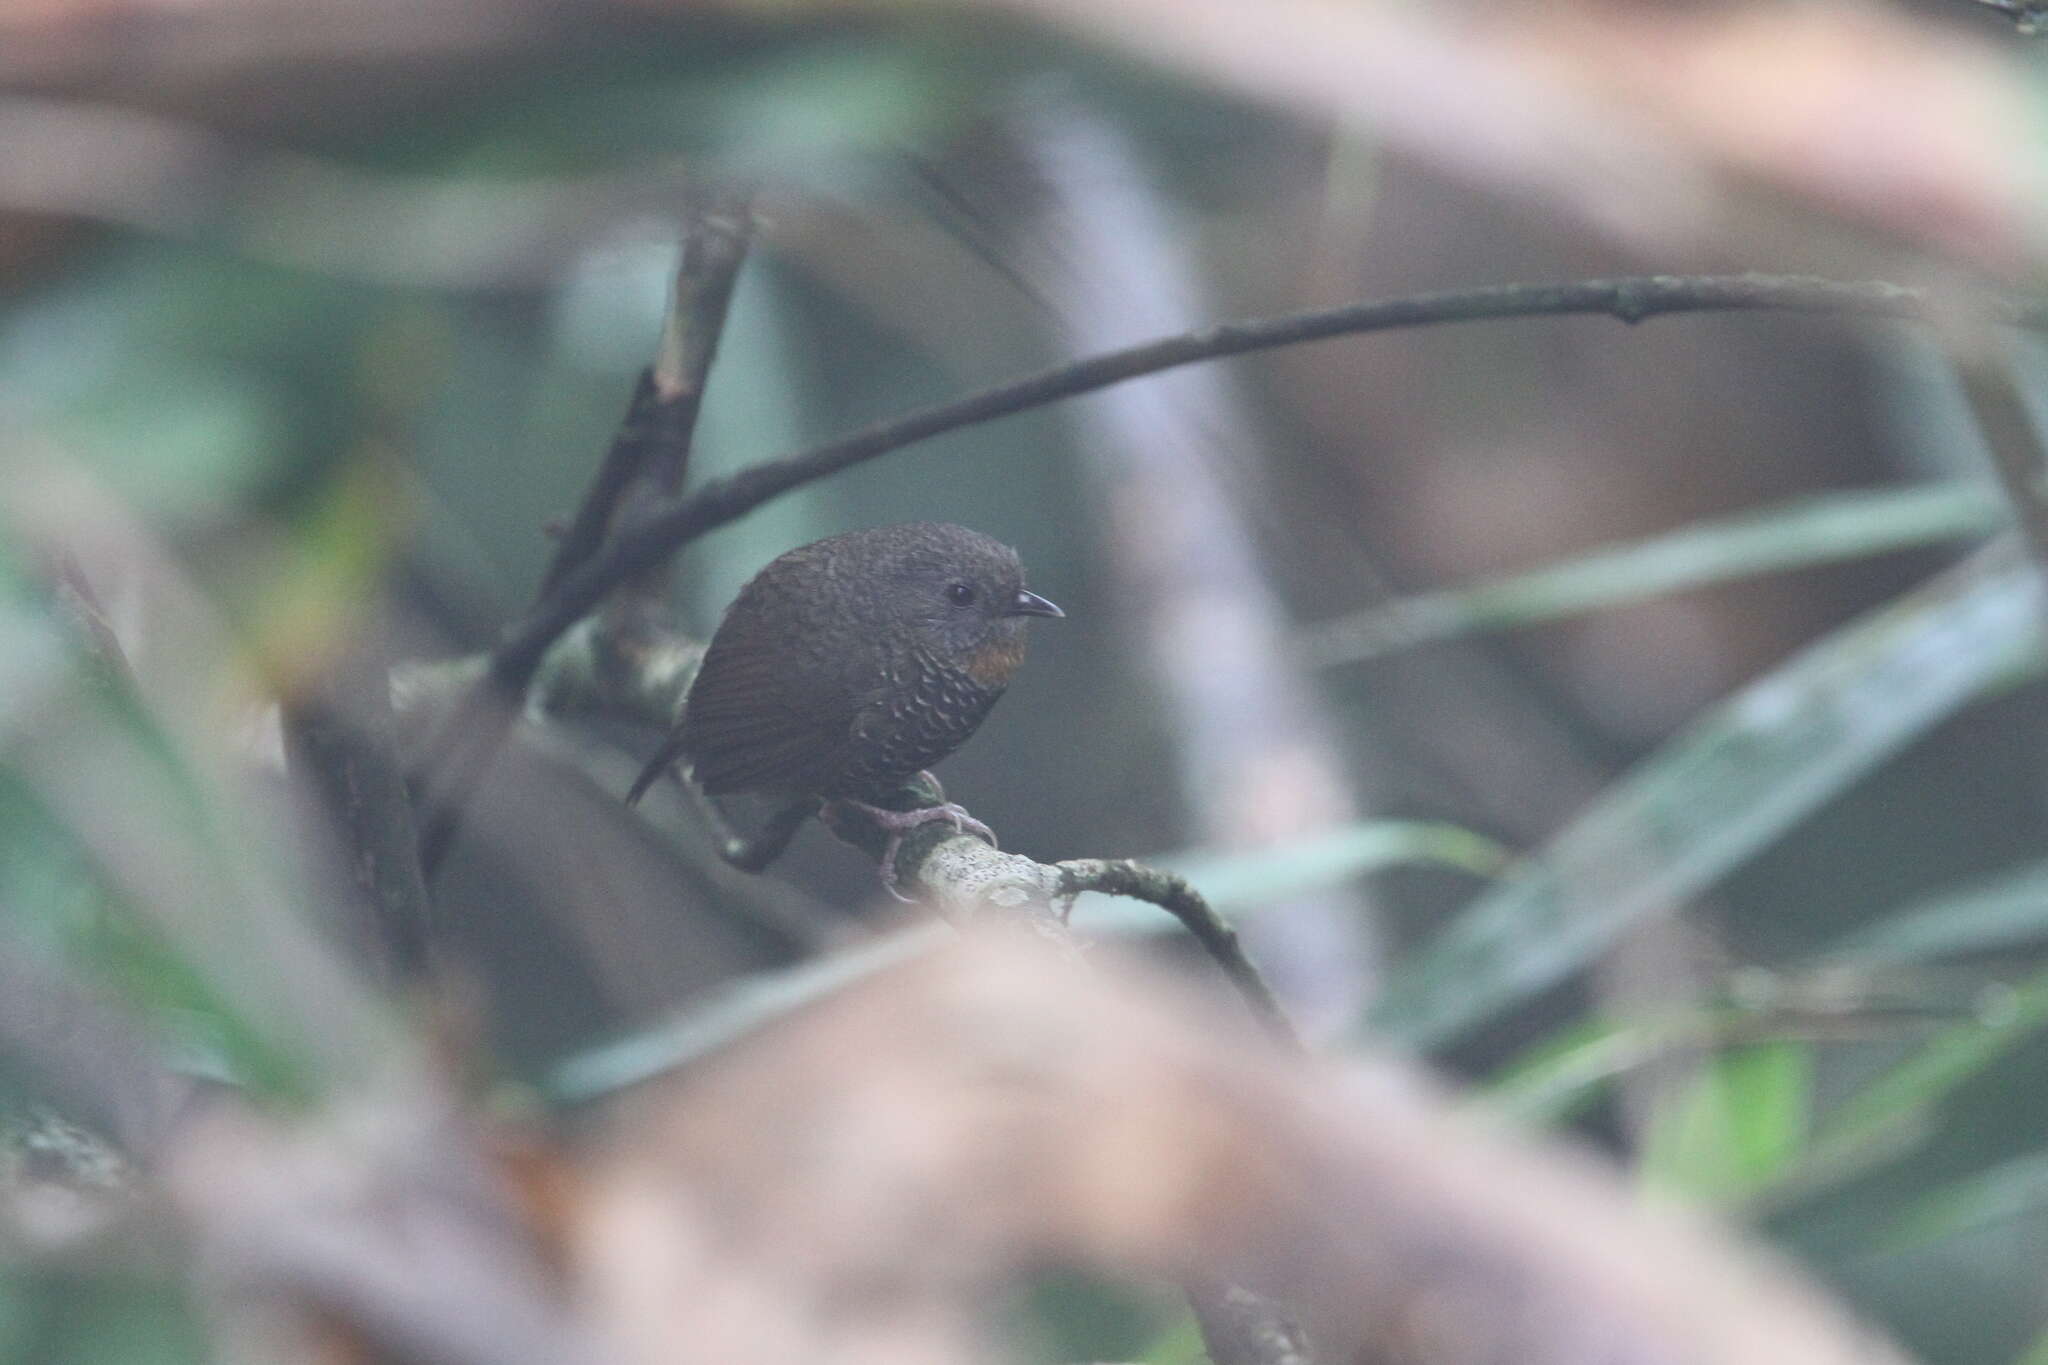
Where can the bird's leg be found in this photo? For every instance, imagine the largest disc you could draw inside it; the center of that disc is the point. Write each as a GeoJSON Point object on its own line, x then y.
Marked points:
{"type": "Point", "coordinates": [898, 823]}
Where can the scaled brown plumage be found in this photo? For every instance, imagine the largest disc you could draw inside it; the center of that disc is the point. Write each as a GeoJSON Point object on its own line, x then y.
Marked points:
{"type": "Point", "coordinates": [850, 664]}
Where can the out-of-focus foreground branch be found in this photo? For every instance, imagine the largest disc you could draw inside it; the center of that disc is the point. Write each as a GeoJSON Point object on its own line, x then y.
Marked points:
{"type": "Point", "coordinates": [856, 1184]}
{"type": "Point", "coordinates": [868, 1178]}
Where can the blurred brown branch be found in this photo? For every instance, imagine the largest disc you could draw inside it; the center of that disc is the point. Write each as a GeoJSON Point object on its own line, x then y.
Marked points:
{"type": "Point", "coordinates": [379, 1228]}
{"type": "Point", "coordinates": [1093, 1118]}
{"type": "Point", "coordinates": [1668, 127]}
{"type": "Point", "coordinates": [1096, 1119]}
{"type": "Point", "coordinates": [970, 882]}
{"type": "Point", "coordinates": [1656, 125]}
{"type": "Point", "coordinates": [99, 43]}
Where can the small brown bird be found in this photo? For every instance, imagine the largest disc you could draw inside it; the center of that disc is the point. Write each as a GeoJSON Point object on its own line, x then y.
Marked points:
{"type": "Point", "coordinates": [849, 665]}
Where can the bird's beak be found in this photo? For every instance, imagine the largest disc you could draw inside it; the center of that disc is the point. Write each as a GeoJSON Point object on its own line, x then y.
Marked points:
{"type": "Point", "coordinates": [1031, 604]}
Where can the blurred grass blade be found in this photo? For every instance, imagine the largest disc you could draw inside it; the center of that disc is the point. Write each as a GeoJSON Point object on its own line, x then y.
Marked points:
{"type": "Point", "coordinates": [1993, 912]}
{"type": "Point", "coordinates": [1238, 880]}
{"type": "Point", "coordinates": [1902, 1098]}
{"type": "Point", "coordinates": [1727, 787]}
{"type": "Point", "coordinates": [1178, 1342]}
{"type": "Point", "coordinates": [1555, 1080]}
{"type": "Point", "coordinates": [1735, 1128]}
{"type": "Point", "coordinates": [192, 908]}
{"type": "Point", "coordinates": [1243, 882]}
{"type": "Point", "coordinates": [2012, 1189]}
{"type": "Point", "coordinates": [731, 1012]}
{"type": "Point", "coordinates": [1793, 535]}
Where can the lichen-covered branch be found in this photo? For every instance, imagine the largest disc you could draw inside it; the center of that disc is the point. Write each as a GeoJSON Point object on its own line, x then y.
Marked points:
{"type": "Point", "coordinates": [965, 879]}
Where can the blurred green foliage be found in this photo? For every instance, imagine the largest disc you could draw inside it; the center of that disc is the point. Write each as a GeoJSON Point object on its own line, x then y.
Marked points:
{"type": "Point", "coordinates": [108, 1319]}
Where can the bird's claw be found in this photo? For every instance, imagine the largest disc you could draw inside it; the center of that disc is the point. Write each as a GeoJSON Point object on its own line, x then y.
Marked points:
{"type": "Point", "coordinates": [899, 823]}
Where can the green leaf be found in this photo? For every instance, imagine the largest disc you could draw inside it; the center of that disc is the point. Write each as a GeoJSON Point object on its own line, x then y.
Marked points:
{"type": "Point", "coordinates": [1722, 791]}
{"type": "Point", "coordinates": [1738, 1126]}
{"type": "Point", "coordinates": [1555, 1080]}
{"type": "Point", "coordinates": [1177, 1343]}
{"type": "Point", "coordinates": [1999, 911]}
{"type": "Point", "coordinates": [729, 1013]}
{"type": "Point", "coordinates": [139, 868]}
{"type": "Point", "coordinates": [2037, 1352]}
{"type": "Point", "coordinates": [1899, 1103]}
{"type": "Point", "coordinates": [61, 1314]}
{"type": "Point", "coordinates": [1070, 1314]}
{"type": "Point", "coordinates": [184, 441]}
{"type": "Point", "coordinates": [1794, 535]}
{"type": "Point", "coordinates": [1243, 879]}
{"type": "Point", "coordinates": [2012, 1189]}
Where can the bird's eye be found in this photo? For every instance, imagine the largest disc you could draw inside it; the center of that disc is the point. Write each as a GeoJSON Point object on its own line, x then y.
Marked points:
{"type": "Point", "coordinates": [960, 594]}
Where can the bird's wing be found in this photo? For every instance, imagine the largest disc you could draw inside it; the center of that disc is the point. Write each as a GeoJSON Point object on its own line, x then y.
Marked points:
{"type": "Point", "coordinates": [756, 723]}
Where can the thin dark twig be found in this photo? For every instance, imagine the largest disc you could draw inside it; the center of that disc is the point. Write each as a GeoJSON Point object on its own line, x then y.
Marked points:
{"type": "Point", "coordinates": [649, 457]}
{"type": "Point", "coordinates": [344, 744]}
{"type": "Point", "coordinates": [1171, 893]}
{"type": "Point", "coordinates": [647, 421]}
{"type": "Point", "coordinates": [490, 707]}
{"type": "Point", "coordinates": [655, 439]}
{"type": "Point", "coordinates": [1631, 300]}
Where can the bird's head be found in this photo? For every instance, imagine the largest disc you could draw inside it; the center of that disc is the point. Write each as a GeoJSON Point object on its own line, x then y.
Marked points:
{"type": "Point", "coordinates": [959, 597]}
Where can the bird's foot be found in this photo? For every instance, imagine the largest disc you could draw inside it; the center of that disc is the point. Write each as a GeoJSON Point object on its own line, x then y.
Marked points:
{"type": "Point", "coordinates": [899, 823]}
